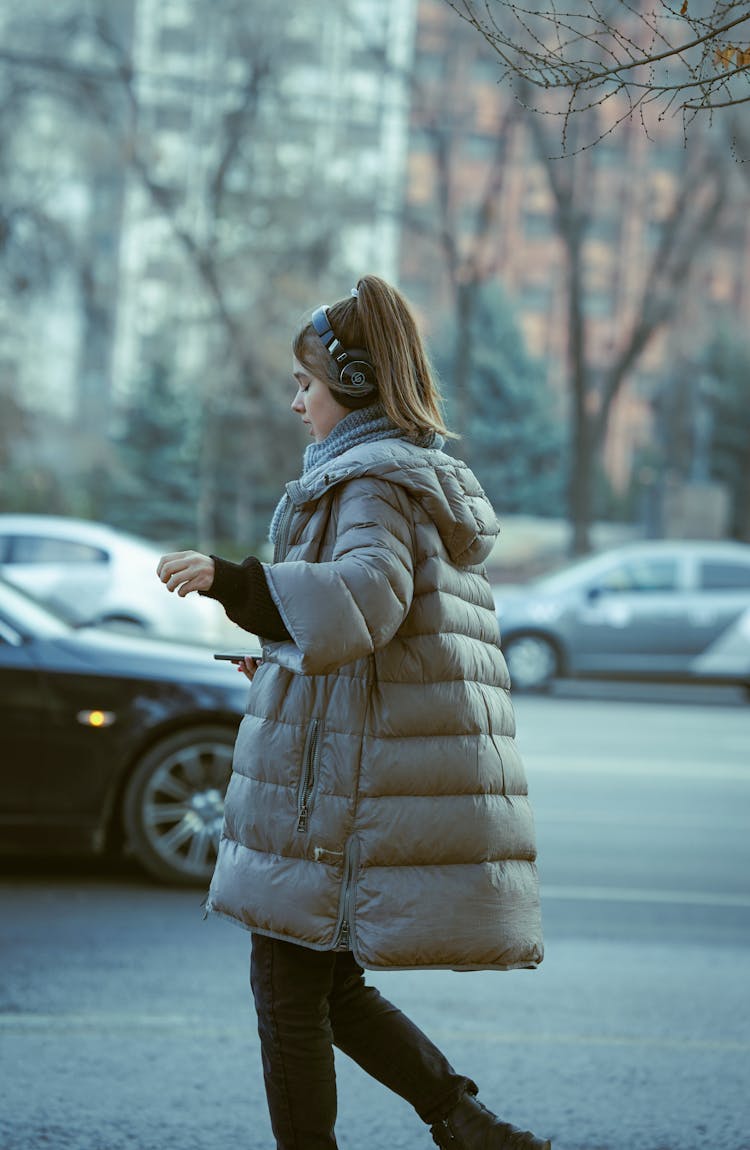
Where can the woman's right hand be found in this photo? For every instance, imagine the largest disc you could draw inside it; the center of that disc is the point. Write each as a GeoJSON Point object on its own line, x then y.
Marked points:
{"type": "Point", "coordinates": [186, 571]}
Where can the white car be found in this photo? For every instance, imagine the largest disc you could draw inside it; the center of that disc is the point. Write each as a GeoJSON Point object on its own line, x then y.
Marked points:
{"type": "Point", "coordinates": [93, 573]}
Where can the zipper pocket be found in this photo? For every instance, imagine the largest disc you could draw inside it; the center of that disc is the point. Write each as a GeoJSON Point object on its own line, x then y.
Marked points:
{"type": "Point", "coordinates": [309, 774]}
{"type": "Point", "coordinates": [346, 907]}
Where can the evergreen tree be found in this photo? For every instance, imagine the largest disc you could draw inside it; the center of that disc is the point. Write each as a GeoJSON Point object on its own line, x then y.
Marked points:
{"type": "Point", "coordinates": [515, 428]}
{"type": "Point", "coordinates": [154, 471]}
{"type": "Point", "coordinates": [728, 364]}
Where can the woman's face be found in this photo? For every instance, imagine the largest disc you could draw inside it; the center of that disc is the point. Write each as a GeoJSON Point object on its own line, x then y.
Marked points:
{"type": "Point", "coordinates": [314, 404]}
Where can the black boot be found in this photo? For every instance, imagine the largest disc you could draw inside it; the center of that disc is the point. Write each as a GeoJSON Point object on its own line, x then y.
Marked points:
{"type": "Point", "coordinates": [471, 1126]}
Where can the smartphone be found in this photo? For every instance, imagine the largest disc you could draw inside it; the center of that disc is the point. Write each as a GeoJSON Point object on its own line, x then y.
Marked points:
{"type": "Point", "coordinates": [234, 657]}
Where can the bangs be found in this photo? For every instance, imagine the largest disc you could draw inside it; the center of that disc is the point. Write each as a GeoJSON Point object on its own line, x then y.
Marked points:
{"type": "Point", "coordinates": [309, 351]}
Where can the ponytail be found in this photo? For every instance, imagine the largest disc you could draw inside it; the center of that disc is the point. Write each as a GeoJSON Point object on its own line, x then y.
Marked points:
{"type": "Point", "coordinates": [379, 319]}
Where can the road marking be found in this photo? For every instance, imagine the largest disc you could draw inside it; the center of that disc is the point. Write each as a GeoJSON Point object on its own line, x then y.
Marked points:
{"type": "Point", "coordinates": [640, 818]}
{"type": "Point", "coordinates": [642, 894]}
{"type": "Point", "coordinates": [96, 1023]}
{"type": "Point", "coordinates": [106, 1023]}
{"type": "Point", "coordinates": [638, 764]}
{"type": "Point", "coordinates": [31, 1022]}
{"type": "Point", "coordinates": [695, 1044]}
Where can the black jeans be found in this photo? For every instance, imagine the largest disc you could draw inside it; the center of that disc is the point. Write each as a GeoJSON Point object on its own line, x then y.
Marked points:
{"type": "Point", "coordinates": [308, 1001]}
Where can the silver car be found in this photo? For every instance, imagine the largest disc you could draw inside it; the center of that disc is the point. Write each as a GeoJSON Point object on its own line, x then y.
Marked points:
{"type": "Point", "coordinates": [668, 610]}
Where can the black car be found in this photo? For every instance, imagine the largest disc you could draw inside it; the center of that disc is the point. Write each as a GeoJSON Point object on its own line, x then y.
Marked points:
{"type": "Point", "coordinates": [109, 740]}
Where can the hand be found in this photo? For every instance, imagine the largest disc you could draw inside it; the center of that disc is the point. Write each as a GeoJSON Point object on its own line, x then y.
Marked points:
{"type": "Point", "coordinates": [186, 571]}
{"type": "Point", "coordinates": [249, 666]}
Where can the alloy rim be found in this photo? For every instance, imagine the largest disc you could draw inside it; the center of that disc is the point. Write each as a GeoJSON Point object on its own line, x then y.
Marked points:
{"type": "Point", "coordinates": [183, 806]}
{"type": "Point", "coordinates": [531, 661]}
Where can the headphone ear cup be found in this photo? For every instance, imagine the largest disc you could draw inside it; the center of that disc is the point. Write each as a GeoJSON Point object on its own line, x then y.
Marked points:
{"type": "Point", "coordinates": [357, 379]}
{"type": "Point", "coordinates": [357, 376]}
{"type": "Point", "coordinates": [352, 402]}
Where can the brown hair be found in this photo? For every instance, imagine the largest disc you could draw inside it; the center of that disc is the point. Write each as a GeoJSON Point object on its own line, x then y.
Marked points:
{"type": "Point", "coordinates": [379, 320]}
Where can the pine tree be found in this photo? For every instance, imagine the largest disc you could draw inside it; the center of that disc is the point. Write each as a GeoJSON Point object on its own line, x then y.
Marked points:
{"type": "Point", "coordinates": [728, 363]}
{"type": "Point", "coordinates": [153, 477]}
{"type": "Point", "coordinates": [515, 428]}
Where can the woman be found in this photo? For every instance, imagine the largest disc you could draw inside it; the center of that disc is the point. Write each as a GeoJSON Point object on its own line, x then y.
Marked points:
{"type": "Point", "coordinates": [377, 813]}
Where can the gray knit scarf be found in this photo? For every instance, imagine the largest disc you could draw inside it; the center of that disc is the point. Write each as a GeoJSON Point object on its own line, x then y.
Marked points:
{"type": "Point", "coordinates": [366, 425]}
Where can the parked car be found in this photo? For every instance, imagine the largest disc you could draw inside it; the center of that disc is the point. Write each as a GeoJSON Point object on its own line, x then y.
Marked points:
{"type": "Point", "coordinates": [97, 574]}
{"type": "Point", "coordinates": [657, 610]}
{"type": "Point", "coordinates": [111, 741]}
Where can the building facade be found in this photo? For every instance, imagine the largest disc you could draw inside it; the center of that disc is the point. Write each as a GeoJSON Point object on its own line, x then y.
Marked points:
{"type": "Point", "coordinates": [276, 143]}
{"type": "Point", "coordinates": [196, 158]}
{"type": "Point", "coordinates": [480, 204]}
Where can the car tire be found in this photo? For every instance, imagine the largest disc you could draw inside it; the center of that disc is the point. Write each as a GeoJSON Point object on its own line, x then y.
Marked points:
{"type": "Point", "coordinates": [533, 662]}
{"type": "Point", "coordinates": [173, 805]}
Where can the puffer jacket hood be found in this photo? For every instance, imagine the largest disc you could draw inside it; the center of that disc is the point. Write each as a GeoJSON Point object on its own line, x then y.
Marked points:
{"type": "Point", "coordinates": [444, 487]}
{"type": "Point", "coordinates": [378, 801]}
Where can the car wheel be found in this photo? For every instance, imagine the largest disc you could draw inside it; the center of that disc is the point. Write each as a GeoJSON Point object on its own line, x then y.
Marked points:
{"type": "Point", "coordinates": [533, 662]}
{"type": "Point", "coordinates": [174, 804]}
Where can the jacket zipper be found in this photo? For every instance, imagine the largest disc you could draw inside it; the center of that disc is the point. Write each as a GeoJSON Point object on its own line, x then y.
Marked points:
{"type": "Point", "coordinates": [307, 782]}
{"type": "Point", "coordinates": [343, 934]}
{"type": "Point", "coordinates": [282, 535]}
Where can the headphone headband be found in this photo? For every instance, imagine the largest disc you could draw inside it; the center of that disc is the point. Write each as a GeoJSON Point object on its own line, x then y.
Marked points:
{"type": "Point", "coordinates": [356, 372]}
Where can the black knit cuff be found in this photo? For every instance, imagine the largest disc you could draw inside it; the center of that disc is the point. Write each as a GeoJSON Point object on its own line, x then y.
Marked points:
{"type": "Point", "coordinates": [243, 592]}
{"type": "Point", "coordinates": [230, 581]}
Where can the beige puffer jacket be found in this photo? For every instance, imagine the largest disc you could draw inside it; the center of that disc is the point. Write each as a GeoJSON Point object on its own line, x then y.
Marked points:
{"type": "Point", "coordinates": [377, 800]}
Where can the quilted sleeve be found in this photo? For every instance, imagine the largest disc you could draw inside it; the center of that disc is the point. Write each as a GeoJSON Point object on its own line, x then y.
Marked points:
{"type": "Point", "coordinates": [344, 609]}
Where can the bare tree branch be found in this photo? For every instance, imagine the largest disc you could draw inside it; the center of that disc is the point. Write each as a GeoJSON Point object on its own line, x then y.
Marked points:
{"type": "Point", "coordinates": [634, 49]}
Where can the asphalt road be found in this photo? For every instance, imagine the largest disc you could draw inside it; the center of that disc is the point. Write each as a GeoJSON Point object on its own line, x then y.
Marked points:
{"type": "Point", "coordinates": [125, 1020]}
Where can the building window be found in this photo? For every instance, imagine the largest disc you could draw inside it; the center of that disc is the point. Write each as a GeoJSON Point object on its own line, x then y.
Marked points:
{"type": "Point", "coordinates": [160, 269]}
{"type": "Point", "coordinates": [422, 140]}
{"type": "Point", "coordinates": [167, 197]}
{"type": "Point", "coordinates": [487, 69]}
{"type": "Point", "coordinates": [537, 225]}
{"type": "Point", "coordinates": [598, 304]}
{"type": "Point", "coordinates": [605, 229]}
{"type": "Point", "coordinates": [171, 118]}
{"type": "Point", "coordinates": [608, 154]}
{"type": "Point", "coordinates": [669, 156]}
{"type": "Point", "coordinates": [536, 297]}
{"type": "Point", "coordinates": [363, 134]}
{"type": "Point", "coordinates": [430, 65]}
{"type": "Point", "coordinates": [177, 39]}
{"type": "Point", "coordinates": [484, 147]}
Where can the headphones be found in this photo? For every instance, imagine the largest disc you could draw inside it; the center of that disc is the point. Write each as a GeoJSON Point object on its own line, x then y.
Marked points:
{"type": "Point", "coordinates": [356, 372]}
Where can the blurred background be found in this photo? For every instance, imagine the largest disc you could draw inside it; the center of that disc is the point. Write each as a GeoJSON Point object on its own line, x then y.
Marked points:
{"type": "Point", "coordinates": [183, 181]}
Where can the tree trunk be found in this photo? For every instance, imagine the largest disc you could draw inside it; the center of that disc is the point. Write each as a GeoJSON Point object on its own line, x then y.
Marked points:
{"type": "Point", "coordinates": [465, 296]}
{"type": "Point", "coordinates": [206, 503]}
{"type": "Point", "coordinates": [581, 484]}
{"type": "Point", "coordinates": [743, 518]}
{"type": "Point", "coordinates": [582, 431]}
{"type": "Point", "coordinates": [247, 527]}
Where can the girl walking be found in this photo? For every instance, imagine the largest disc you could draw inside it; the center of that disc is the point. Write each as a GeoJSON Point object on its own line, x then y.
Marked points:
{"type": "Point", "coordinates": [377, 815]}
